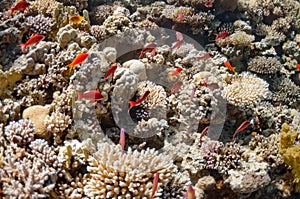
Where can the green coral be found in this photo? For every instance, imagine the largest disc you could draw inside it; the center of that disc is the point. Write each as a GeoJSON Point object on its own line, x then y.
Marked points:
{"type": "Point", "coordinates": [291, 152]}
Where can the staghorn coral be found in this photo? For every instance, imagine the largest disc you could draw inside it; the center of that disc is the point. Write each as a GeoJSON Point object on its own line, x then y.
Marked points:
{"type": "Point", "coordinates": [113, 173]}
{"type": "Point", "coordinates": [39, 24]}
{"type": "Point", "coordinates": [246, 89]}
{"type": "Point", "coordinates": [264, 65]}
{"type": "Point", "coordinates": [21, 132]}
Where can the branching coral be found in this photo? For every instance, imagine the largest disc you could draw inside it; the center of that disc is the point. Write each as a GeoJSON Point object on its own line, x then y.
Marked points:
{"type": "Point", "coordinates": [128, 175]}
{"type": "Point", "coordinates": [264, 65]}
{"type": "Point", "coordinates": [21, 132]}
{"type": "Point", "coordinates": [39, 24]}
{"type": "Point", "coordinates": [246, 89]}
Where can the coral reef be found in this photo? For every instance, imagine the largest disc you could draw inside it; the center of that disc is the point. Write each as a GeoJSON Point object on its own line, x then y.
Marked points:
{"type": "Point", "coordinates": [154, 110]}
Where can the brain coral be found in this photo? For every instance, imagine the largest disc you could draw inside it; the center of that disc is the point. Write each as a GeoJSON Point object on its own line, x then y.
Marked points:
{"type": "Point", "coordinates": [114, 174]}
{"type": "Point", "coordinates": [245, 89]}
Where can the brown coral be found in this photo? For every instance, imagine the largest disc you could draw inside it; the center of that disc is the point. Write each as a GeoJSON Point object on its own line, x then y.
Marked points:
{"type": "Point", "coordinates": [265, 65]}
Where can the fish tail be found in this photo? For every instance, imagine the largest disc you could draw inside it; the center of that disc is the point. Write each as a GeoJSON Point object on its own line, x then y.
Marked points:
{"type": "Point", "coordinates": [132, 104]}
{"type": "Point", "coordinates": [79, 95]}
{"type": "Point", "coordinates": [23, 47]}
{"type": "Point", "coordinates": [11, 11]}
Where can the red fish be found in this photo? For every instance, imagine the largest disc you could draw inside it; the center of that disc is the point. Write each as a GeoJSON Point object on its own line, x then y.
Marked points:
{"type": "Point", "coordinates": [204, 57]}
{"type": "Point", "coordinates": [190, 194]}
{"type": "Point", "coordinates": [204, 83]}
{"type": "Point", "coordinates": [298, 66]}
{"type": "Point", "coordinates": [78, 60]}
{"type": "Point", "coordinates": [208, 4]}
{"type": "Point", "coordinates": [180, 17]}
{"type": "Point", "coordinates": [111, 71]}
{"type": "Point", "coordinates": [21, 6]}
{"type": "Point", "coordinates": [241, 128]}
{"type": "Point", "coordinates": [176, 87]}
{"type": "Point", "coordinates": [179, 37]}
{"type": "Point", "coordinates": [155, 184]}
{"type": "Point", "coordinates": [298, 45]}
{"type": "Point", "coordinates": [175, 72]}
{"type": "Point", "coordinates": [142, 98]}
{"type": "Point", "coordinates": [149, 48]}
{"type": "Point", "coordinates": [203, 133]}
{"type": "Point", "coordinates": [228, 65]}
{"type": "Point", "coordinates": [93, 96]}
{"type": "Point", "coordinates": [34, 40]}
{"type": "Point", "coordinates": [222, 35]}
{"type": "Point", "coordinates": [192, 94]}
{"type": "Point", "coordinates": [122, 139]}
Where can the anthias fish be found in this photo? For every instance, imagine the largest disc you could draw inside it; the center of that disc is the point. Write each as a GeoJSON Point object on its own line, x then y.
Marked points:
{"type": "Point", "coordinates": [204, 57]}
{"type": "Point", "coordinates": [93, 96]}
{"type": "Point", "coordinates": [203, 133]}
{"type": "Point", "coordinates": [222, 35]}
{"type": "Point", "coordinates": [155, 184]}
{"type": "Point", "coordinates": [298, 66]}
{"type": "Point", "coordinates": [110, 71]}
{"type": "Point", "coordinates": [122, 139]}
{"type": "Point", "coordinates": [21, 6]}
{"type": "Point", "coordinates": [34, 40]}
{"type": "Point", "coordinates": [175, 72]}
{"type": "Point", "coordinates": [190, 194]}
{"type": "Point", "coordinates": [180, 17]}
{"type": "Point", "coordinates": [142, 98]}
{"type": "Point", "coordinates": [228, 65]}
{"type": "Point", "coordinates": [148, 48]}
{"type": "Point", "coordinates": [179, 37]}
{"type": "Point", "coordinates": [76, 19]}
{"type": "Point", "coordinates": [176, 87]}
{"type": "Point", "coordinates": [78, 60]}
{"type": "Point", "coordinates": [241, 128]}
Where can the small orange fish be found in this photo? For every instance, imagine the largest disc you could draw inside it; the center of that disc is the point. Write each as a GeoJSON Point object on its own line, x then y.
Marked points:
{"type": "Point", "coordinates": [203, 133]}
{"type": "Point", "coordinates": [21, 6]}
{"type": "Point", "coordinates": [78, 60]}
{"type": "Point", "coordinates": [241, 128]}
{"type": "Point", "coordinates": [76, 19]}
{"type": "Point", "coordinates": [176, 87]}
{"type": "Point", "coordinates": [110, 71]}
{"type": "Point", "coordinates": [180, 17]}
{"type": "Point", "coordinates": [155, 184]}
{"type": "Point", "coordinates": [190, 193]}
{"type": "Point", "coordinates": [228, 65]}
{"type": "Point", "coordinates": [93, 96]}
{"type": "Point", "coordinates": [132, 103]}
{"type": "Point", "coordinates": [204, 83]}
{"type": "Point", "coordinates": [149, 48]}
{"type": "Point", "coordinates": [298, 45]}
{"type": "Point", "coordinates": [175, 72]}
{"type": "Point", "coordinates": [204, 57]}
{"type": "Point", "coordinates": [298, 66]}
{"type": "Point", "coordinates": [34, 40]}
{"type": "Point", "coordinates": [122, 139]}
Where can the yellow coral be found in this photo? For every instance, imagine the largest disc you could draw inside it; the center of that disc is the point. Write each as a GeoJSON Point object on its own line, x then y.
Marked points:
{"type": "Point", "coordinates": [290, 153]}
